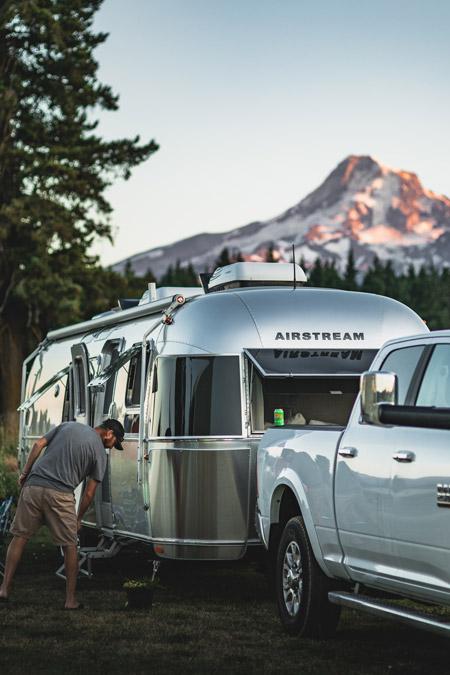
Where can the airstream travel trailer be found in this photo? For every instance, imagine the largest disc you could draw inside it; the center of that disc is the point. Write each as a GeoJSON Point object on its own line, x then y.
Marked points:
{"type": "Point", "coordinates": [195, 377]}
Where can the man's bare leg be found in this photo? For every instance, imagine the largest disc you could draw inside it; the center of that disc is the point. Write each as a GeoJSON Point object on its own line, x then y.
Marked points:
{"type": "Point", "coordinates": [71, 569]}
{"type": "Point", "coordinates": [13, 557]}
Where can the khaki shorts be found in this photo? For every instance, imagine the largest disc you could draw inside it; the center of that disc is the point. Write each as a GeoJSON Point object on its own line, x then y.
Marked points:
{"type": "Point", "coordinates": [38, 506]}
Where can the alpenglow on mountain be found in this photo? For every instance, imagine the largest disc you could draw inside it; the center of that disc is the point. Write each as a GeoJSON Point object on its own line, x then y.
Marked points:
{"type": "Point", "coordinates": [362, 205]}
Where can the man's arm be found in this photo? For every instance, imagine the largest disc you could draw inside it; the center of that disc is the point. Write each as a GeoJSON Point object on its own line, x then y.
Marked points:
{"type": "Point", "coordinates": [88, 496]}
{"type": "Point", "coordinates": [32, 457]}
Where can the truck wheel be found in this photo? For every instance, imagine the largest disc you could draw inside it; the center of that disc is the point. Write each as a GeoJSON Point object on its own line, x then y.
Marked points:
{"type": "Point", "coordinates": [301, 586]}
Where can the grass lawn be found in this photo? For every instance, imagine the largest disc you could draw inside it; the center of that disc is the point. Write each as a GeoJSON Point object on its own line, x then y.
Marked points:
{"type": "Point", "coordinates": [210, 618]}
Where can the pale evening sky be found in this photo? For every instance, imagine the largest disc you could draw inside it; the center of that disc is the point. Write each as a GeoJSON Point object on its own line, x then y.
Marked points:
{"type": "Point", "coordinates": [255, 102]}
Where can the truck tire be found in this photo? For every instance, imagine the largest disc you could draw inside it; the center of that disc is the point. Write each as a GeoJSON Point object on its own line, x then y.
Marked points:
{"type": "Point", "coordinates": [301, 587]}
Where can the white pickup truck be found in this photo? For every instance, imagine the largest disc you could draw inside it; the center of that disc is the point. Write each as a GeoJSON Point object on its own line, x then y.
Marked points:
{"type": "Point", "coordinates": [357, 514]}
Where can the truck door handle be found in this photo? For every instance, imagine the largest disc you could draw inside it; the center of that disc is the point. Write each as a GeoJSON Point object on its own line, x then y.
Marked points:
{"type": "Point", "coordinates": [347, 452]}
{"type": "Point", "coordinates": [404, 456]}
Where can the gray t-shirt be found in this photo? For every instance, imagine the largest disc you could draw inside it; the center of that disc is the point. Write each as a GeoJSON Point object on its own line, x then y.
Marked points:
{"type": "Point", "coordinates": [74, 452]}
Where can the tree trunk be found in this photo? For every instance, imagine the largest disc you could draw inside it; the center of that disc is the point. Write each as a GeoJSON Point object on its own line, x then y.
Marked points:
{"type": "Point", "coordinates": [13, 349]}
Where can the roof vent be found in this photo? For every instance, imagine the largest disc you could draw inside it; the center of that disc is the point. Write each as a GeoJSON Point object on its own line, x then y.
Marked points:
{"type": "Point", "coordinates": [253, 274]}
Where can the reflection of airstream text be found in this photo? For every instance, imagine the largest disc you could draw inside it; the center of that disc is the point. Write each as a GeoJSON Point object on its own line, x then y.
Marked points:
{"type": "Point", "coordinates": [195, 377]}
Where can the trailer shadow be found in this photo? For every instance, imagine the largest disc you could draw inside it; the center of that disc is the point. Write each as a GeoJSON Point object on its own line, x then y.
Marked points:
{"type": "Point", "coordinates": [238, 581]}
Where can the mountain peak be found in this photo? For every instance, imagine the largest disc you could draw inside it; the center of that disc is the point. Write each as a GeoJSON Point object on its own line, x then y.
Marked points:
{"type": "Point", "coordinates": [362, 204]}
{"type": "Point", "coordinates": [352, 173]}
{"type": "Point", "coordinates": [359, 167]}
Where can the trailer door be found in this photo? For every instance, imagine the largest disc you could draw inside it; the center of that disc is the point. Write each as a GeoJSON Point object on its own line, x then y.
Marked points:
{"type": "Point", "coordinates": [128, 507]}
{"type": "Point", "coordinates": [122, 504]}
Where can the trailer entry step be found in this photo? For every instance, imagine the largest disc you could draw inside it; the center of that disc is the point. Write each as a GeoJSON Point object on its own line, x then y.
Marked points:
{"type": "Point", "coordinates": [106, 548]}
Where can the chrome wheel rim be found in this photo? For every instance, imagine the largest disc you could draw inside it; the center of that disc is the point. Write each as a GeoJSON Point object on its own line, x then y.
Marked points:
{"type": "Point", "coordinates": [292, 579]}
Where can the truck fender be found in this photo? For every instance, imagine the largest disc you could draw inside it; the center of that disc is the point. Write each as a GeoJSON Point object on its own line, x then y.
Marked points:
{"type": "Point", "coordinates": [290, 491]}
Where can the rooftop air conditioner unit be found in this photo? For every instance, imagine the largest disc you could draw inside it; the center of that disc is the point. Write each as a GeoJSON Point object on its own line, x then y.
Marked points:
{"type": "Point", "coordinates": [251, 274]}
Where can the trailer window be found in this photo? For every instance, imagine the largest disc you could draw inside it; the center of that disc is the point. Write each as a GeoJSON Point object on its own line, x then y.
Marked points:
{"type": "Point", "coordinates": [315, 362]}
{"type": "Point", "coordinates": [304, 400]}
{"type": "Point", "coordinates": [133, 393]}
{"type": "Point", "coordinates": [197, 396]}
{"type": "Point", "coordinates": [67, 415]}
{"type": "Point", "coordinates": [109, 388]}
{"type": "Point", "coordinates": [80, 388]}
{"type": "Point", "coordinates": [126, 394]}
{"type": "Point", "coordinates": [48, 410]}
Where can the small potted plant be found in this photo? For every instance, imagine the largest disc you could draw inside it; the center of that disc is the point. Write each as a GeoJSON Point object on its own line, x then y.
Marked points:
{"type": "Point", "coordinates": [140, 592]}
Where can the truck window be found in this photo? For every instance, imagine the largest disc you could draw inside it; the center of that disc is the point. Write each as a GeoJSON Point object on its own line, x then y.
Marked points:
{"type": "Point", "coordinates": [304, 400]}
{"type": "Point", "coordinates": [197, 396]}
{"type": "Point", "coordinates": [435, 387]}
{"type": "Point", "coordinates": [403, 363]}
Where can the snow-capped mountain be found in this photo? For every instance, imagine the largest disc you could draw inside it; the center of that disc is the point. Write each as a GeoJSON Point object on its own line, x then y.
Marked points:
{"type": "Point", "coordinates": [362, 205]}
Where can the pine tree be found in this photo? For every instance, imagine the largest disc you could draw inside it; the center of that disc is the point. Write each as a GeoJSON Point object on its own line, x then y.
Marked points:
{"type": "Point", "coordinates": [224, 258]}
{"type": "Point", "coordinates": [374, 281]}
{"type": "Point", "coordinates": [350, 274]}
{"type": "Point", "coordinates": [269, 254]}
{"type": "Point", "coordinates": [330, 275]}
{"type": "Point", "coordinates": [180, 276]}
{"type": "Point", "coordinates": [54, 170]}
{"type": "Point", "coordinates": [315, 276]}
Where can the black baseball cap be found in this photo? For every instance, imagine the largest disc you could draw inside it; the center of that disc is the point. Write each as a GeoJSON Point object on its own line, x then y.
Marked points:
{"type": "Point", "coordinates": [117, 430]}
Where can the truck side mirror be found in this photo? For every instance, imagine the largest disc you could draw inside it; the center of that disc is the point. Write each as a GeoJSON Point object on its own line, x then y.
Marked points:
{"type": "Point", "coordinates": [376, 388]}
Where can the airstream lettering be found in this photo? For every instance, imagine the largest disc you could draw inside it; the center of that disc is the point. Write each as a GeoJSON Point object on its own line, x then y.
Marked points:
{"type": "Point", "coordinates": [319, 336]}
{"type": "Point", "coordinates": [195, 377]}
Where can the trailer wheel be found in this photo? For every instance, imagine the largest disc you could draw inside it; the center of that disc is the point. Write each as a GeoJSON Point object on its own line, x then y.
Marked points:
{"type": "Point", "coordinates": [301, 586]}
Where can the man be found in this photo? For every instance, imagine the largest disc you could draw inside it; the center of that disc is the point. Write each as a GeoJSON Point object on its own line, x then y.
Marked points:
{"type": "Point", "coordinates": [74, 452]}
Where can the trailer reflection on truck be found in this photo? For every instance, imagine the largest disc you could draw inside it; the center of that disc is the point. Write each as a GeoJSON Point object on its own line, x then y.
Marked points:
{"type": "Point", "coordinates": [195, 376]}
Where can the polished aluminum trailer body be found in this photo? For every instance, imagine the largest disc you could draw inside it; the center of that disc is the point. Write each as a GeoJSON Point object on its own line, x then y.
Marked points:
{"type": "Point", "coordinates": [195, 383]}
